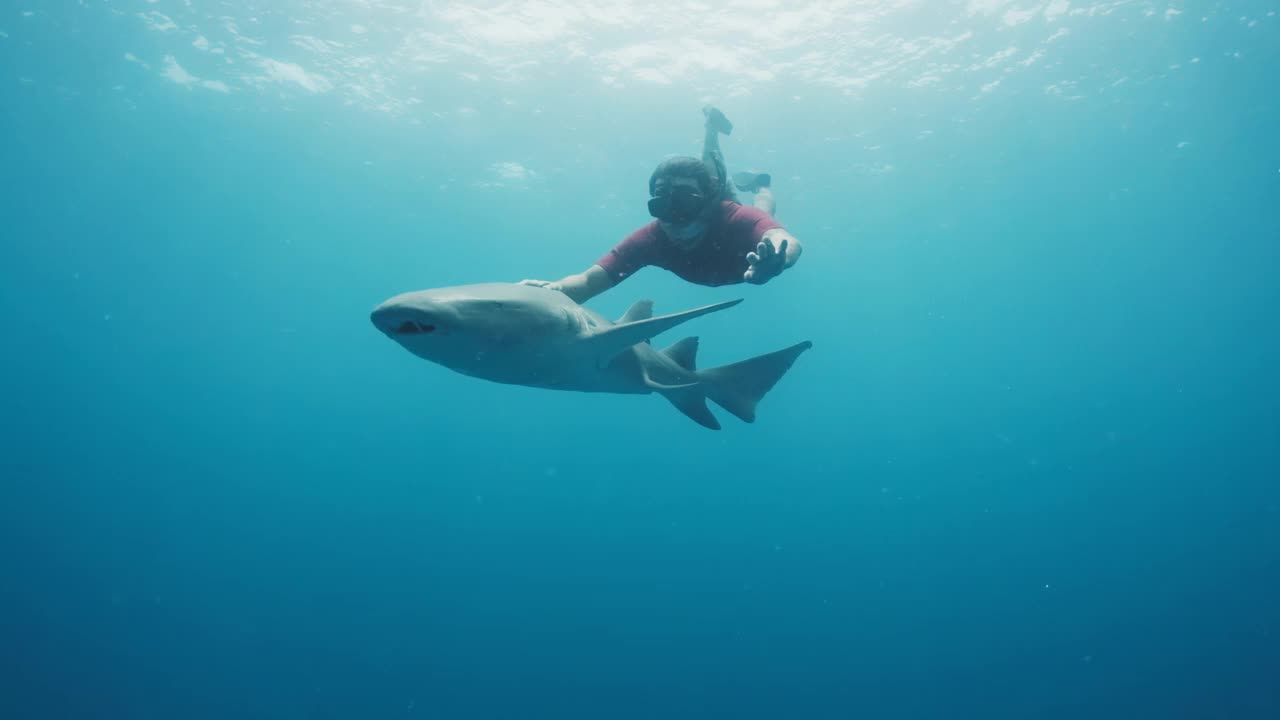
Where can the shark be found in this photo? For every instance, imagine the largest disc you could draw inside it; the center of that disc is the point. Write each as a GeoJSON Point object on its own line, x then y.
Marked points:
{"type": "Point", "coordinates": [539, 337]}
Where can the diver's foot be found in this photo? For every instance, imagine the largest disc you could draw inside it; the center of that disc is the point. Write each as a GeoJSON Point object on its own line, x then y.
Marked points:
{"type": "Point", "coordinates": [751, 181]}
{"type": "Point", "coordinates": [716, 120]}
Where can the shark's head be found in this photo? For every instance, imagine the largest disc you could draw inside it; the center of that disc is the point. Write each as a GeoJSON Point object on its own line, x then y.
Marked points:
{"type": "Point", "coordinates": [481, 330]}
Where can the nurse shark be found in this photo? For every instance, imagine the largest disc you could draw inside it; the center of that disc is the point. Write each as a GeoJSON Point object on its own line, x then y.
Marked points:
{"type": "Point", "coordinates": [538, 337]}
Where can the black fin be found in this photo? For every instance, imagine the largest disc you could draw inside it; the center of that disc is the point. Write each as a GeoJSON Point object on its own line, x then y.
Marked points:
{"type": "Point", "coordinates": [716, 120]}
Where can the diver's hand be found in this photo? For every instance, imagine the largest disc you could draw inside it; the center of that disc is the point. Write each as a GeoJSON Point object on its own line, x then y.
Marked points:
{"type": "Point", "coordinates": [543, 284]}
{"type": "Point", "coordinates": [765, 263]}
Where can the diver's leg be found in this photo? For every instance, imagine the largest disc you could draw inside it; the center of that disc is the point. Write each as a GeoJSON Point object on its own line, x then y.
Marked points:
{"type": "Point", "coordinates": [764, 200]}
{"type": "Point", "coordinates": [712, 156]}
{"type": "Point", "coordinates": [752, 182]}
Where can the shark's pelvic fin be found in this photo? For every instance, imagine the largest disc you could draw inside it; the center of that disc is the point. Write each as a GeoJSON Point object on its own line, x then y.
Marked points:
{"type": "Point", "coordinates": [656, 386]}
{"type": "Point", "coordinates": [608, 342]}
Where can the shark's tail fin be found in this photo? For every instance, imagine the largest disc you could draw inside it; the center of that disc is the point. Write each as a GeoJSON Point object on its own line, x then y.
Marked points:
{"type": "Point", "coordinates": [740, 386]}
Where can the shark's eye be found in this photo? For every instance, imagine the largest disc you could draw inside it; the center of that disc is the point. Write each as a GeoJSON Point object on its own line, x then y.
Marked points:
{"type": "Point", "coordinates": [409, 327]}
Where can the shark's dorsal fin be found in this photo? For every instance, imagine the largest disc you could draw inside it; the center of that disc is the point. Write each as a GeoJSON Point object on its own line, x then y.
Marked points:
{"type": "Point", "coordinates": [684, 353]}
{"type": "Point", "coordinates": [640, 310]}
{"type": "Point", "coordinates": [608, 342]}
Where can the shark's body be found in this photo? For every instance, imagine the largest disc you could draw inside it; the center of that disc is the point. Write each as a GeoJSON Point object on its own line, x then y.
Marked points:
{"type": "Point", "coordinates": [525, 335]}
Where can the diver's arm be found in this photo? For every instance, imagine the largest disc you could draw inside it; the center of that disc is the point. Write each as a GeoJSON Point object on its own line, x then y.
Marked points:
{"type": "Point", "coordinates": [585, 285]}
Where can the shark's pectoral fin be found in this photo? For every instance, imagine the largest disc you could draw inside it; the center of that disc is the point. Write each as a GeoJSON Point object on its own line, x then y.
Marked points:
{"type": "Point", "coordinates": [608, 342]}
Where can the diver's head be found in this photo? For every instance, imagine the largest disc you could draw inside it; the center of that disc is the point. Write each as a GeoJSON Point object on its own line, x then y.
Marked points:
{"type": "Point", "coordinates": [683, 199]}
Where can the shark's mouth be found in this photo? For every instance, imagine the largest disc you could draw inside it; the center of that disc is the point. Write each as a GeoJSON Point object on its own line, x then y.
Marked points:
{"type": "Point", "coordinates": [408, 327]}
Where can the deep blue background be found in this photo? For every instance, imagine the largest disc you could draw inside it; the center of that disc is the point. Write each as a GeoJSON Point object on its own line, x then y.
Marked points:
{"type": "Point", "coordinates": [1028, 469]}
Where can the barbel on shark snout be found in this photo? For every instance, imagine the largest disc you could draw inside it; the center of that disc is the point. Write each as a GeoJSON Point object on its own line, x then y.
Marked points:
{"type": "Point", "coordinates": [525, 335]}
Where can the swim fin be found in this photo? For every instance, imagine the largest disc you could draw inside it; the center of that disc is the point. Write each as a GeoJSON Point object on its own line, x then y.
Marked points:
{"type": "Point", "coordinates": [717, 121]}
{"type": "Point", "coordinates": [750, 181]}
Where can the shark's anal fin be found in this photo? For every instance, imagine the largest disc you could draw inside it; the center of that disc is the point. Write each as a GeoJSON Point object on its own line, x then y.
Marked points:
{"type": "Point", "coordinates": [693, 403]}
{"type": "Point", "coordinates": [684, 353]}
{"type": "Point", "coordinates": [607, 342]}
{"type": "Point", "coordinates": [640, 310]}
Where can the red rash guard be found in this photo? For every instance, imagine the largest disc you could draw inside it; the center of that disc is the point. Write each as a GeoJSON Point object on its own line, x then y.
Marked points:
{"type": "Point", "coordinates": [719, 259]}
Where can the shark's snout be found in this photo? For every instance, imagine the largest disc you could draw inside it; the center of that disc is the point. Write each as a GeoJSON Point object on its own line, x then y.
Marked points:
{"type": "Point", "coordinates": [395, 320]}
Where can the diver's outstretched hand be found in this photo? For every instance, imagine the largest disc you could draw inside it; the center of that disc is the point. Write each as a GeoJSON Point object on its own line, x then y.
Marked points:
{"type": "Point", "coordinates": [765, 263]}
{"type": "Point", "coordinates": [542, 284]}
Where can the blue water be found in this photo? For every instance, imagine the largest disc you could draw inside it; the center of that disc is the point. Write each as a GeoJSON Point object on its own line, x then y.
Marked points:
{"type": "Point", "coordinates": [1027, 470]}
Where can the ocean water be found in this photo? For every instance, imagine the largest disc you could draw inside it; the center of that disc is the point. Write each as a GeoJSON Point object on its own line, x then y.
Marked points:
{"type": "Point", "coordinates": [1028, 470]}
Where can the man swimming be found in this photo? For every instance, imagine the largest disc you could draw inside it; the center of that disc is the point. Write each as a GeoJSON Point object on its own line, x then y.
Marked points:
{"type": "Point", "coordinates": [701, 232]}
